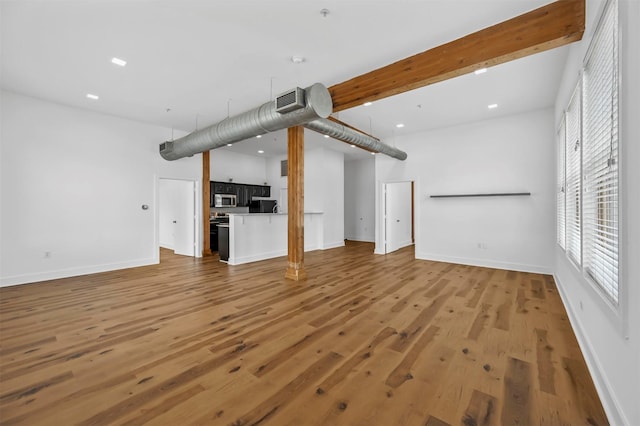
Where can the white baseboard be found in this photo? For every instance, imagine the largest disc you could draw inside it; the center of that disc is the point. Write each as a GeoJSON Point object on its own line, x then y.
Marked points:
{"type": "Point", "coordinates": [256, 257]}
{"type": "Point", "coordinates": [609, 401]}
{"type": "Point", "coordinates": [333, 245]}
{"type": "Point", "coordinates": [268, 255]}
{"type": "Point", "coordinates": [485, 263]}
{"type": "Point", "coordinates": [361, 240]}
{"type": "Point", "coordinates": [73, 272]}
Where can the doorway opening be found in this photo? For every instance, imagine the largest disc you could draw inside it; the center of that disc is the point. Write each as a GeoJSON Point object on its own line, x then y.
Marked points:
{"type": "Point", "coordinates": [398, 215]}
{"type": "Point", "coordinates": [177, 216]}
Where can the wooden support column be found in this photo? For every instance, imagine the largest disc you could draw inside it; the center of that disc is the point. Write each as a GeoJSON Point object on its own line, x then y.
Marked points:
{"type": "Point", "coordinates": [295, 179]}
{"type": "Point", "coordinates": [206, 201]}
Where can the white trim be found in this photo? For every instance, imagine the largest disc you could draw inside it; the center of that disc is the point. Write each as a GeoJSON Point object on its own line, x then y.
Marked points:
{"type": "Point", "coordinates": [360, 239]}
{"type": "Point", "coordinates": [486, 263]}
{"type": "Point", "coordinates": [257, 257]}
{"type": "Point", "coordinates": [330, 246]}
{"type": "Point", "coordinates": [74, 272]}
{"type": "Point", "coordinates": [610, 403]}
{"type": "Point", "coordinates": [271, 255]}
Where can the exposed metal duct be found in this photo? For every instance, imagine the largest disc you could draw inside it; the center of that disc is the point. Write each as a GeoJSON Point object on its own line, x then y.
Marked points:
{"type": "Point", "coordinates": [316, 104]}
{"type": "Point", "coordinates": [349, 135]}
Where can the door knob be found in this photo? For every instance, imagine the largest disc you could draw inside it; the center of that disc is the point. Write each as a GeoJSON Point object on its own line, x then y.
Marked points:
{"type": "Point", "coordinates": [397, 220]}
{"type": "Point", "coordinates": [175, 221]}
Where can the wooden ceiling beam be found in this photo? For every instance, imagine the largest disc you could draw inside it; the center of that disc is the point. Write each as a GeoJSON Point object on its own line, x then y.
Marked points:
{"type": "Point", "coordinates": [554, 25]}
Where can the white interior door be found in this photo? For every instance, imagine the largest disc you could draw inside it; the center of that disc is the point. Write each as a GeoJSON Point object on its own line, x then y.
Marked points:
{"type": "Point", "coordinates": [397, 208]}
{"type": "Point", "coordinates": [178, 216]}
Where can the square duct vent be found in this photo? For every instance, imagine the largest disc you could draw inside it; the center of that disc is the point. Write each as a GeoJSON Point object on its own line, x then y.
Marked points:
{"type": "Point", "coordinates": [290, 101]}
{"type": "Point", "coordinates": [166, 146]}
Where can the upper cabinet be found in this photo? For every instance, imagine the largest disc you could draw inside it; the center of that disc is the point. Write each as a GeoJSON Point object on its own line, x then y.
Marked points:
{"type": "Point", "coordinates": [243, 192]}
{"type": "Point", "coordinates": [217, 188]}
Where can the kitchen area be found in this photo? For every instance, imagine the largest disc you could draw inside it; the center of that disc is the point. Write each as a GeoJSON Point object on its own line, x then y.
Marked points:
{"type": "Point", "coordinates": [229, 198]}
{"type": "Point", "coordinates": [245, 188]}
{"type": "Point", "coordinates": [246, 226]}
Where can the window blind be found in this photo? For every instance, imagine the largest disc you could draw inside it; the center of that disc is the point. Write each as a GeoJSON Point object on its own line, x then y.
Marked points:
{"type": "Point", "coordinates": [560, 186]}
{"type": "Point", "coordinates": [573, 153]}
{"type": "Point", "coordinates": [600, 156]}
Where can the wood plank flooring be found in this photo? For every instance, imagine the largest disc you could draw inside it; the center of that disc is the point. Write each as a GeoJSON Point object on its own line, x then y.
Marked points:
{"type": "Point", "coordinates": [366, 340]}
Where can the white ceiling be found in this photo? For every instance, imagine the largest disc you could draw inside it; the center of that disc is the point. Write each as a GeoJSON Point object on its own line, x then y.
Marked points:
{"type": "Point", "coordinates": [203, 60]}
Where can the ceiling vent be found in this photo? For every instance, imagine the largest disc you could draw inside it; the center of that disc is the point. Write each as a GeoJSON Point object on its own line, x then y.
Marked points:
{"type": "Point", "coordinates": [166, 146]}
{"type": "Point", "coordinates": [290, 101]}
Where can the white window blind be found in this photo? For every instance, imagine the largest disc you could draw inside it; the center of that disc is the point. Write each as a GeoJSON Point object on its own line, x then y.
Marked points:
{"type": "Point", "coordinates": [600, 156]}
{"type": "Point", "coordinates": [573, 188]}
{"type": "Point", "coordinates": [560, 186]}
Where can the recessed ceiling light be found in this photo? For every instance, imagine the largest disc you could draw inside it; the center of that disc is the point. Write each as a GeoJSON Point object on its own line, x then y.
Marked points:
{"type": "Point", "coordinates": [399, 125]}
{"type": "Point", "coordinates": [92, 96]}
{"type": "Point", "coordinates": [492, 106]}
{"type": "Point", "coordinates": [259, 136]}
{"type": "Point", "coordinates": [373, 153]}
{"type": "Point", "coordinates": [353, 146]}
{"type": "Point", "coordinates": [298, 59]}
{"type": "Point", "coordinates": [480, 71]}
{"type": "Point", "coordinates": [118, 61]}
{"type": "Point", "coordinates": [326, 136]}
{"type": "Point", "coordinates": [260, 152]}
{"type": "Point", "coordinates": [229, 144]}
{"type": "Point", "coordinates": [367, 103]}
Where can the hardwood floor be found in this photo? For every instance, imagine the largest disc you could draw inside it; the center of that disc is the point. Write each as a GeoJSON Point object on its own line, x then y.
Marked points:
{"type": "Point", "coordinates": [367, 339]}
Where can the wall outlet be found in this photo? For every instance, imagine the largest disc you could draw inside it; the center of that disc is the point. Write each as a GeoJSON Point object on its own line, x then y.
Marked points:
{"type": "Point", "coordinates": [47, 255]}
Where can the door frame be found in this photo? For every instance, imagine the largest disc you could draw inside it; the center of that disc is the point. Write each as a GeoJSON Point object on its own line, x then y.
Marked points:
{"type": "Point", "coordinates": [380, 245]}
{"type": "Point", "coordinates": [197, 205]}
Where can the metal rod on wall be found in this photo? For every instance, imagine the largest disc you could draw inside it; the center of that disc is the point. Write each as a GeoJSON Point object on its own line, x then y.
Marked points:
{"type": "Point", "coordinates": [498, 194]}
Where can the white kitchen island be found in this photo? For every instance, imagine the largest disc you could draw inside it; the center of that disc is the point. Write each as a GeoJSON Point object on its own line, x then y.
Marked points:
{"type": "Point", "coordinates": [259, 236]}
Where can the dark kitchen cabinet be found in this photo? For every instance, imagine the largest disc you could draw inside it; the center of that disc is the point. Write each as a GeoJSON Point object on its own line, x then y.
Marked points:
{"type": "Point", "coordinates": [213, 234]}
{"type": "Point", "coordinates": [217, 188]}
{"type": "Point", "coordinates": [223, 242]}
{"type": "Point", "coordinates": [244, 193]}
{"type": "Point", "coordinates": [256, 191]}
{"type": "Point", "coordinates": [229, 188]}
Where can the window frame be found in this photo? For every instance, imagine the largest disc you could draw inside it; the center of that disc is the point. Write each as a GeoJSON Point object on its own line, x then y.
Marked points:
{"type": "Point", "coordinates": [615, 305]}
{"type": "Point", "coordinates": [620, 309]}
{"type": "Point", "coordinates": [561, 184]}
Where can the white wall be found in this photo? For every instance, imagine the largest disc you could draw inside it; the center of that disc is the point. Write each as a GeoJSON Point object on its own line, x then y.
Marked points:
{"type": "Point", "coordinates": [274, 179]}
{"type": "Point", "coordinates": [324, 172]}
{"type": "Point", "coordinates": [509, 154]}
{"type": "Point", "coordinates": [72, 184]}
{"type": "Point", "coordinates": [610, 338]}
{"type": "Point", "coordinates": [359, 200]}
{"type": "Point", "coordinates": [242, 168]}
{"type": "Point", "coordinates": [323, 189]}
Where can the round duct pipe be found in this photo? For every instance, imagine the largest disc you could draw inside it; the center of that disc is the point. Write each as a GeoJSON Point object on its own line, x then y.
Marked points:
{"type": "Point", "coordinates": [263, 119]}
{"type": "Point", "coordinates": [351, 136]}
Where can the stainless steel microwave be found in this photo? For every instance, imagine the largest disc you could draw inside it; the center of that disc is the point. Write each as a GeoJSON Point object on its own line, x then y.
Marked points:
{"type": "Point", "coordinates": [224, 200]}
